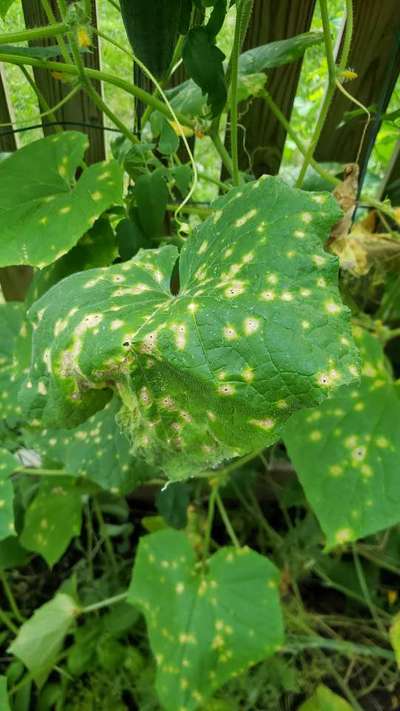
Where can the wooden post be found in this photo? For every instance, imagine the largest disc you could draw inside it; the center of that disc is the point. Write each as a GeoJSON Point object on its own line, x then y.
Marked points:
{"type": "Point", "coordinates": [8, 141]}
{"type": "Point", "coordinates": [262, 134]}
{"type": "Point", "coordinates": [375, 56]}
{"type": "Point", "coordinates": [80, 109]}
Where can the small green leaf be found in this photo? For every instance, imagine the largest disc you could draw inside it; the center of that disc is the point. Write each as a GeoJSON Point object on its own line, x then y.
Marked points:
{"type": "Point", "coordinates": [4, 705]}
{"type": "Point", "coordinates": [204, 627]}
{"type": "Point", "coordinates": [36, 52]}
{"type": "Point", "coordinates": [151, 195]}
{"type": "Point", "coordinates": [8, 465]}
{"type": "Point", "coordinates": [172, 502]}
{"type": "Point", "coordinates": [214, 371]}
{"type": "Point", "coordinates": [276, 54]}
{"type": "Point", "coordinates": [204, 64]}
{"type": "Point", "coordinates": [346, 453]}
{"type": "Point", "coordinates": [323, 699]}
{"type": "Point", "coordinates": [15, 351]}
{"type": "Point", "coordinates": [44, 211]}
{"type": "Point", "coordinates": [40, 639]}
{"type": "Point", "coordinates": [52, 519]}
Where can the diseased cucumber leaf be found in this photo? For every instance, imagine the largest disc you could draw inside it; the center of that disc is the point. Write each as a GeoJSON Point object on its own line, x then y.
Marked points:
{"type": "Point", "coordinates": [40, 639]}
{"type": "Point", "coordinates": [346, 452]}
{"type": "Point", "coordinates": [15, 351]}
{"type": "Point", "coordinates": [214, 371]}
{"type": "Point", "coordinates": [204, 626]}
{"type": "Point", "coordinates": [97, 450]}
{"type": "Point", "coordinates": [44, 211]}
{"type": "Point", "coordinates": [48, 529]}
{"type": "Point", "coordinates": [8, 464]}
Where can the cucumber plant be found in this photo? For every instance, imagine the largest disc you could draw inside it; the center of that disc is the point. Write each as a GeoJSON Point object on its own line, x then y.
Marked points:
{"type": "Point", "coordinates": [166, 341]}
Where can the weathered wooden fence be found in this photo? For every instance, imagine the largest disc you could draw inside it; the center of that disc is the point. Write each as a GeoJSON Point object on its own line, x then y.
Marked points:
{"type": "Point", "coordinates": [375, 56]}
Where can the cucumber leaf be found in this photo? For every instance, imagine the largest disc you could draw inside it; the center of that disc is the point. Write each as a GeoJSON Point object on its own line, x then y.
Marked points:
{"type": "Point", "coordinates": [214, 371]}
{"type": "Point", "coordinates": [44, 210]}
{"type": "Point", "coordinates": [48, 530]}
{"type": "Point", "coordinates": [40, 639]}
{"type": "Point", "coordinates": [8, 464]}
{"type": "Point", "coordinates": [204, 626]}
{"type": "Point", "coordinates": [346, 452]}
{"type": "Point", "coordinates": [4, 705]}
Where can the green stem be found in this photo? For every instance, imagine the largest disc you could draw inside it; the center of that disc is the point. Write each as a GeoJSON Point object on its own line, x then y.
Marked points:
{"type": "Point", "coordinates": [95, 96]}
{"type": "Point", "coordinates": [41, 99]}
{"type": "Point", "coordinates": [36, 33]}
{"type": "Point", "coordinates": [234, 89]}
{"type": "Point", "coordinates": [224, 515]}
{"type": "Point", "coordinates": [210, 519]}
{"type": "Point", "coordinates": [104, 534]}
{"type": "Point", "coordinates": [41, 115]}
{"type": "Point", "coordinates": [97, 74]}
{"type": "Point", "coordinates": [293, 135]}
{"type": "Point", "coordinates": [221, 150]}
{"type": "Point", "coordinates": [192, 209]}
{"type": "Point", "coordinates": [104, 603]}
{"type": "Point", "coordinates": [52, 22]}
{"type": "Point", "coordinates": [10, 597]}
{"type": "Point", "coordinates": [348, 36]}
{"type": "Point", "coordinates": [328, 94]}
{"type": "Point", "coordinates": [366, 593]}
{"type": "Point", "coordinates": [4, 618]}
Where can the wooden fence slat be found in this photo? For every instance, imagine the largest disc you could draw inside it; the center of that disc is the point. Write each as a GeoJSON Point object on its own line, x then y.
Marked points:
{"type": "Point", "coordinates": [14, 281]}
{"type": "Point", "coordinates": [8, 142]}
{"type": "Point", "coordinates": [375, 56]}
{"type": "Point", "coordinates": [263, 135]}
{"type": "Point", "coordinates": [80, 109]}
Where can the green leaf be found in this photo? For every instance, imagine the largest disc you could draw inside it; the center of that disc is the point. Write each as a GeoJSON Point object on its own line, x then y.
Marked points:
{"type": "Point", "coordinates": [151, 195]}
{"type": "Point", "coordinates": [4, 7]}
{"type": "Point", "coordinates": [394, 636]}
{"type": "Point", "coordinates": [97, 248]}
{"type": "Point", "coordinates": [15, 351]}
{"type": "Point", "coordinates": [172, 503]}
{"type": "Point", "coordinates": [215, 371]}
{"type": "Point", "coordinates": [8, 465]}
{"type": "Point", "coordinates": [323, 699]}
{"type": "Point", "coordinates": [4, 705]}
{"type": "Point", "coordinates": [12, 554]}
{"type": "Point", "coordinates": [204, 627]}
{"type": "Point", "coordinates": [96, 450]}
{"type": "Point", "coordinates": [204, 64]}
{"type": "Point", "coordinates": [187, 97]}
{"type": "Point", "coordinates": [40, 639]}
{"type": "Point", "coordinates": [50, 527]}
{"type": "Point", "coordinates": [44, 211]}
{"type": "Point", "coordinates": [276, 54]}
{"type": "Point", "coordinates": [130, 238]}
{"type": "Point", "coordinates": [346, 453]}
{"type": "Point", "coordinates": [36, 52]}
